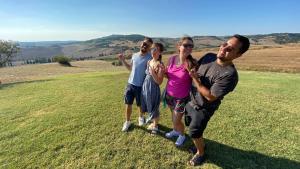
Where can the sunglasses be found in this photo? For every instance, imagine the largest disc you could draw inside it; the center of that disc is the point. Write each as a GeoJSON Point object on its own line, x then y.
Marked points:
{"type": "Point", "coordinates": [145, 44]}
{"type": "Point", "coordinates": [153, 50]}
{"type": "Point", "coordinates": [188, 45]}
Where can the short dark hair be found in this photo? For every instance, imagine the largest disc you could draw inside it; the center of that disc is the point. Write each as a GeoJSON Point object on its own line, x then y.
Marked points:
{"type": "Point", "coordinates": [148, 39]}
{"type": "Point", "coordinates": [245, 43]}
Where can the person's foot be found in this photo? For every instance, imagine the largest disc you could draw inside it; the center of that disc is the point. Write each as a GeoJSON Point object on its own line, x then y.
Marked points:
{"type": "Point", "coordinates": [172, 133]}
{"type": "Point", "coordinates": [196, 160]}
{"type": "Point", "coordinates": [141, 121]}
{"type": "Point", "coordinates": [152, 128]}
{"type": "Point", "coordinates": [180, 140]}
{"type": "Point", "coordinates": [126, 126]}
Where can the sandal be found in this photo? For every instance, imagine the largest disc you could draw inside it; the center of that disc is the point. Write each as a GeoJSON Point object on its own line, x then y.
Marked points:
{"type": "Point", "coordinates": [153, 129]}
{"type": "Point", "coordinates": [196, 160]}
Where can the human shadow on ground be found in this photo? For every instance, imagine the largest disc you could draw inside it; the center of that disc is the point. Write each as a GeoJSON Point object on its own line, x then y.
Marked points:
{"type": "Point", "coordinates": [227, 157]}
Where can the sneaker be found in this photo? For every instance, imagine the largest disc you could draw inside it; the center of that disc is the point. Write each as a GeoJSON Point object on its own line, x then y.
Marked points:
{"type": "Point", "coordinates": [180, 140]}
{"type": "Point", "coordinates": [141, 121]}
{"type": "Point", "coordinates": [172, 133]}
{"type": "Point", "coordinates": [126, 126]}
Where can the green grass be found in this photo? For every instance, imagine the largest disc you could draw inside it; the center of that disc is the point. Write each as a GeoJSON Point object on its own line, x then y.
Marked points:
{"type": "Point", "coordinates": [75, 121]}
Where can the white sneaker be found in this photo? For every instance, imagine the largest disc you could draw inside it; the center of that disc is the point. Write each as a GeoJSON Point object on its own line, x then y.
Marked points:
{"type": "Point", "coordinates": [180, 140]}
{"type": "Point", "coordinates": [141, 121]}
{"type": "Point", "coordinates": [172, 133]}
{"type": "Point", "coordinates": [126, 126]}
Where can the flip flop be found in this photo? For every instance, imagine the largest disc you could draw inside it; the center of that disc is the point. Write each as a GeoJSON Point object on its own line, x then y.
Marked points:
{"type": "Point", "coordinates": [154, 130]}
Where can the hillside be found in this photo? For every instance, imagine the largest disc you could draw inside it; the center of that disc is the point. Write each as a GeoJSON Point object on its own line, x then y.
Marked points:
{"type": "Point", "coordinates": [113, 44]}
{"type": "Point", "coordinates": [281, 58]}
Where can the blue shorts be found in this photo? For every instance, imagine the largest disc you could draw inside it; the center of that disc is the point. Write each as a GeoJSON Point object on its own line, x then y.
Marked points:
{"type": "Point", "coordinates": [132, 92]}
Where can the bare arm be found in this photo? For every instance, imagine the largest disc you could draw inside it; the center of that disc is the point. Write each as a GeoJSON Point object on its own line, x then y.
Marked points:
{"type": "Point", "coordinates": [165, 68]}
{"type": "Point", "coordinates": [158, 76]}
{"type": "Point", "coordinates": [122, 59]}
{"type": "Point", "coordinates": [205, 92]}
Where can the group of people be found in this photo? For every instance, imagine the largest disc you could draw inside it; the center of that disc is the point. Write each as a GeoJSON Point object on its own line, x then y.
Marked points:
{"type": "Point", "coordinates": [194, 88]}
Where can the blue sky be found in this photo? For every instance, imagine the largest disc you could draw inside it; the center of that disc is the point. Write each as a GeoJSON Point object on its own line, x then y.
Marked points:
{"type": "Point", "coordinates": [39, 20]}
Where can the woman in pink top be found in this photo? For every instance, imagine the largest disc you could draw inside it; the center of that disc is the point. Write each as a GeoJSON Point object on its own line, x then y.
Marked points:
{"type": "Point", "coordinates": [179, 85]}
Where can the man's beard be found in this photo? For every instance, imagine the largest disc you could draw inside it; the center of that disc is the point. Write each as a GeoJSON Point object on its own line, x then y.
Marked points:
{"type": "Point", "coordinates": [144, 50]}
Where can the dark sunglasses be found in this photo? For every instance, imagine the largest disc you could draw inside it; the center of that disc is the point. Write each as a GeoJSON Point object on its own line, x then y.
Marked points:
{"type": "Point", "coordinates": [154, 49]}
{"type": "Point", "coordinates": [188, 45]}
{"type": "Point", "coordinates": [145, 44]}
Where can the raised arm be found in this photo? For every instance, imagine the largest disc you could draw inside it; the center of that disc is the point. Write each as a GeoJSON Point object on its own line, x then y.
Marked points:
{"type": "Point", "coordinates": [159, 75]}
{"type": "Point", "coordinates": [121, 57]}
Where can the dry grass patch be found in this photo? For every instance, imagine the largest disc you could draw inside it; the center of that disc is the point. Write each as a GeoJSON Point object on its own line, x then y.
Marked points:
{"type": "Point", "coordinates": [279, 58]}
{"type": "Point", "coordinates": [44, 71]}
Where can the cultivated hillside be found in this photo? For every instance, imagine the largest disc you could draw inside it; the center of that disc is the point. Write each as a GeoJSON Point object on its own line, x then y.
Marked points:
{"type": "Point", "coordinates": [114, 44]}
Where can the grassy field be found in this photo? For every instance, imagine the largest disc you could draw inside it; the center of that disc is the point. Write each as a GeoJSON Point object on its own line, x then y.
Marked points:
{"type": "Point", "coordinates": [71, 117]}
{"type": "Point", "coordinates": [75, 120]}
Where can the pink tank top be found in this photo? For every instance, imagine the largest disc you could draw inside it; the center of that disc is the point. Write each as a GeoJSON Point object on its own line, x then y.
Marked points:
{"type": "Point", "coordinates": [179, 81]}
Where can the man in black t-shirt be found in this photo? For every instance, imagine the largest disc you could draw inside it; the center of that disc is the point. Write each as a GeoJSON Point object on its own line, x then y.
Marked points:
{"type": "Point", "coordinates": [216, 77]}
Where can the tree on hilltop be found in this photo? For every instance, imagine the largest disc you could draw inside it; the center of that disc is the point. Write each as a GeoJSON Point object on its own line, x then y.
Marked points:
{"type": "Point", "coordinates": [8, 50]}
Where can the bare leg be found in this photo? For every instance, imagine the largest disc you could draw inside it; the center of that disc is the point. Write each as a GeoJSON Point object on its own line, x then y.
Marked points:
{"type": "Point", "coordinates": [128, 111]}
{"type": "Point", "coordinates": [141, 111]}
{"type": "Point", "coordinates": [199, 143]}
{"type": "Point", "coordinates": [178, 123]}
{"type": "Point", "coordinates": [173, 117]}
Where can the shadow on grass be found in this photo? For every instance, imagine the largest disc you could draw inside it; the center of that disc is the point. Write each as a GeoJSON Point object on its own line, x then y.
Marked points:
{"type": "Point", "coordinates": [227, 157]}
{"type": "Point", "coordinates": [10, 85]}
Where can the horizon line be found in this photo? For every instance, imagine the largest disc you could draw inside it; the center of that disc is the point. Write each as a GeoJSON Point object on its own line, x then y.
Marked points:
{"type": "Point", "coordinates": [25, 41]}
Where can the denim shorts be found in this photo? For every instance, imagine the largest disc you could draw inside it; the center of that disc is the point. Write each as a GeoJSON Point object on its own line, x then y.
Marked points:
{"type": "Point", "coordinates": [132, 92]}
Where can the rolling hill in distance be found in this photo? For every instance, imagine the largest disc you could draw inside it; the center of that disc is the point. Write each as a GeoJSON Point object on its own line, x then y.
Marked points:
{"type": "Point", "coordinates": [113, 44]}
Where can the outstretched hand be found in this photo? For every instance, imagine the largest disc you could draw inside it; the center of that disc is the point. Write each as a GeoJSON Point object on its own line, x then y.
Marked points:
{"type": "Point", "coordinates": [121, 57]}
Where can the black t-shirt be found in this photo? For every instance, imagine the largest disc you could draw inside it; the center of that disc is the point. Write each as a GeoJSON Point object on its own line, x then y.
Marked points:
{"type": "Point", "coordinates": [220, 80]}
